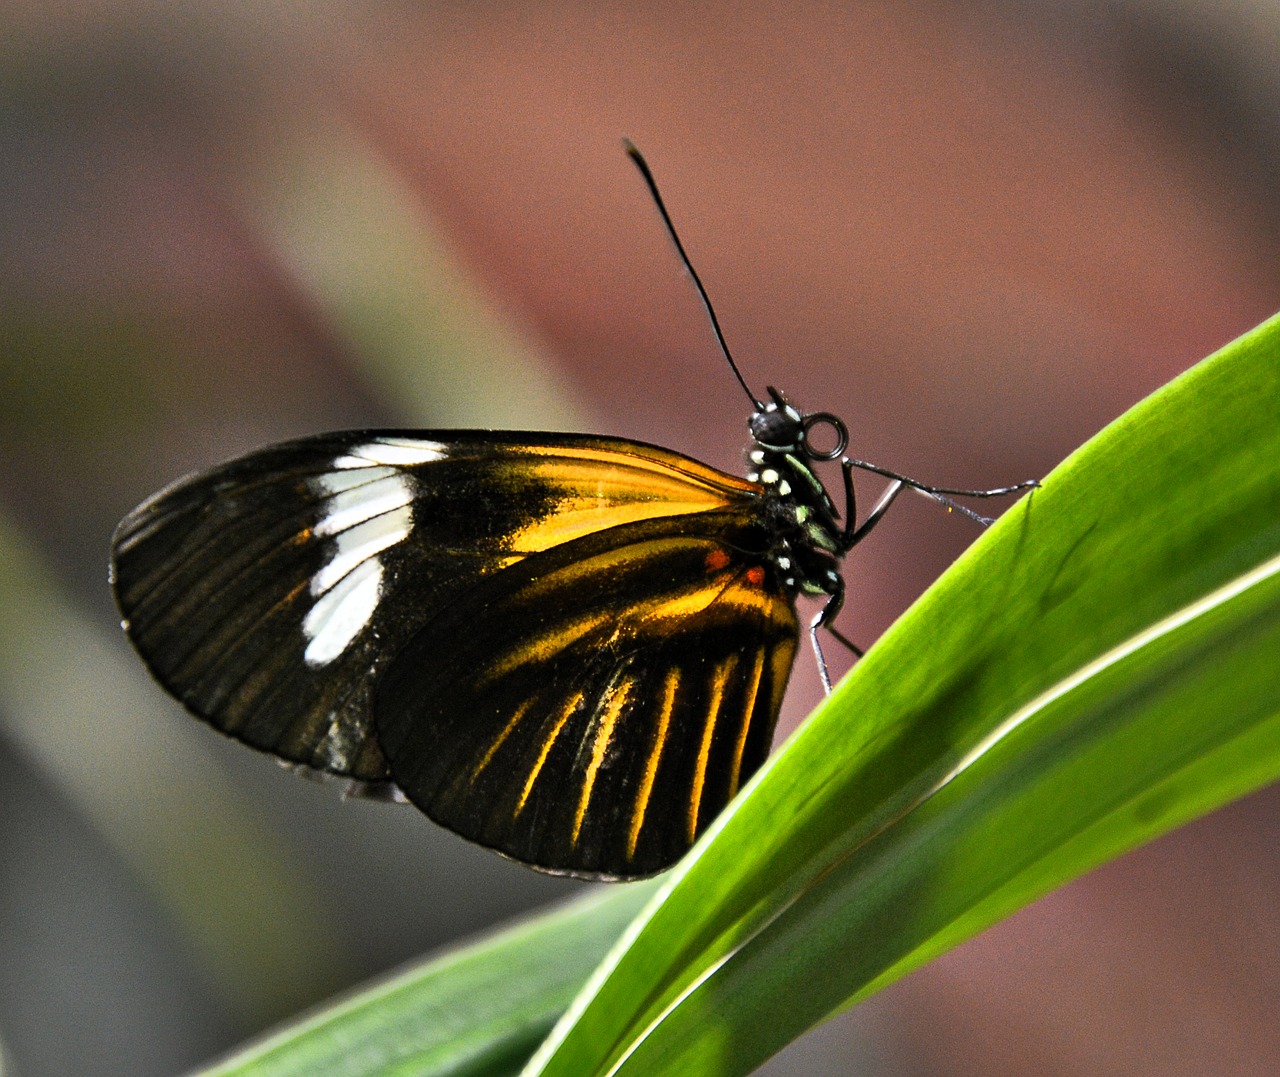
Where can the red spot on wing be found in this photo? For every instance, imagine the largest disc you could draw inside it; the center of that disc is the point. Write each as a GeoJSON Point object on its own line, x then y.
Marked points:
{"type": "Point", "coordinates": [755, 576]}
{"type": "Point", "coordinates": [716, 560]}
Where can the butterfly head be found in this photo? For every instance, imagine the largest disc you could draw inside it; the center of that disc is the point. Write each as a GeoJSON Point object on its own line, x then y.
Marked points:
{"type": "Point", "coordinates": [777, 427]}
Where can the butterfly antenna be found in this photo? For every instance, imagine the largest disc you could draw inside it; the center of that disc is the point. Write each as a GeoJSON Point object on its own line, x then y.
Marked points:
{"type": "Point", "coordinates": [641, 164]}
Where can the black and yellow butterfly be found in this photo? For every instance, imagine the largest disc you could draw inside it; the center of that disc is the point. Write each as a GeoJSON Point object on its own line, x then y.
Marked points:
{"type": "Point", "coordinates": [570, 649]}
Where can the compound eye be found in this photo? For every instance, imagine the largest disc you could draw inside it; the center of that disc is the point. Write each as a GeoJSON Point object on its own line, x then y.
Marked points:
{"type": "Point", "coordinates": [775, 429]}
{"type": "Point", "coordinates": [820, 419]}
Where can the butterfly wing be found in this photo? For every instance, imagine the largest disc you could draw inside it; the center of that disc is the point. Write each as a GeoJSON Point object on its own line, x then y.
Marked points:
{"type": "Point", "coordinates": [592, 708]}
{"type": "Point", "coordinates": [269, 594]}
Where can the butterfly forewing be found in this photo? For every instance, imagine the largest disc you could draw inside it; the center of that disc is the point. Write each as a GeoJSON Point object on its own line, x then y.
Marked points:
{"type": "Point", "coordinates": [216, 578]}
{"type": "Point", "coordinates": [591, 709]}
{"type": "Point", "coordinates": [271, 593]}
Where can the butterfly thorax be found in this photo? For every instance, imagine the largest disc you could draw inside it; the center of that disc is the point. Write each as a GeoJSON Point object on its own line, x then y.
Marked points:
{"type": "Point", "coordinates": [806, 545]}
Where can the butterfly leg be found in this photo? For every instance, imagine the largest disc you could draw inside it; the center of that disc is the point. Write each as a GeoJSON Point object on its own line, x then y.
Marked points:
{"type": "Point", "coordinates": [939, 493]}
{"type": "Point", "coordinates": [823, 619]}
{"type": "Point", "coordinates": [853, 531]}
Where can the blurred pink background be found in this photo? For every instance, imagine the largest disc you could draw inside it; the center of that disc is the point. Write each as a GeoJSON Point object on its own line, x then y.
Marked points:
{"type": "Point", "coordinates": [977, 232]}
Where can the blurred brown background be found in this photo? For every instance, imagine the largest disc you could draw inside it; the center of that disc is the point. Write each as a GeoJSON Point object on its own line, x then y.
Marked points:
{"type": "Point", "coordinates": [977, 231]}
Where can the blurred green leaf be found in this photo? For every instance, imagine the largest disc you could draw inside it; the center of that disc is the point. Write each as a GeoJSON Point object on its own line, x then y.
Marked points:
{"type": "Point", "coordinates": [153, 790]}
{"type": "Point", "coordinates": [1099, 668]}
{"type": "Point", "coordinates": [477, 1011]}
{"type": "Point", "coordinates": [436, 347]}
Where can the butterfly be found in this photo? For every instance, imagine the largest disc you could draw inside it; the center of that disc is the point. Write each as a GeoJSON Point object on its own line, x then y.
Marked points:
{"type": "Point", "coordinates": [570, 649]}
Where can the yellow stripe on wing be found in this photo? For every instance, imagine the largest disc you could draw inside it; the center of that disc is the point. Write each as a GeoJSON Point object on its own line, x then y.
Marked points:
{"type": "Point", "coordinates": [653, 472]}
{"type": "Point", "coordinates": [736, 596]}
{"type": "Point", "coordinates": [604, 734]}
{"type": "Point", "coordinates": [540, 649]}
{"type": "Point", "coordinates": [546, 750]}
{"type": "Point", "coordinates": [680, 605]}
{"type": "Point", "coordinates": [784, 654]}
{"type": "Point", "coordinates": [718, 681]}
{"type": "Point", "coordinates": [595, 489]}
{"type": "Point", "coordinates": [748, 709]}
{"type": "Point", "coordinates": [655, 756]}
{"type": "Point", "coordinates": [515, 718]}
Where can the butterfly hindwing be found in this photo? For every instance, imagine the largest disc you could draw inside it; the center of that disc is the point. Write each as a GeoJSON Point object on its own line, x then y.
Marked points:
{"type": "Point", "coordinates": [269, 594]}
{"type": "Point", "coordinates": [592, 708]}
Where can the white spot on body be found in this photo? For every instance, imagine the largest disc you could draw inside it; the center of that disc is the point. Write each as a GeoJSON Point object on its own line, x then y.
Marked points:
{"type": "Point", "coordinates": [784, 487]}
{"type": "Point", "coordinates": [756, 456]}
{"type": "Point", "coordinates": [768, 476]}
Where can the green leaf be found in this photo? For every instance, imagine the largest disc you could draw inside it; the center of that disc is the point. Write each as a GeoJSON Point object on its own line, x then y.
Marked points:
{"type": "Point", "coordinates": [1099, 668]}
{"type": "Point", "coordinates": [476, 1011]}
